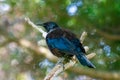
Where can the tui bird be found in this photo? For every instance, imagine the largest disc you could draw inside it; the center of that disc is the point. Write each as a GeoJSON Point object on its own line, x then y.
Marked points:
{"type": "Point", "coordinates": [63, 43]}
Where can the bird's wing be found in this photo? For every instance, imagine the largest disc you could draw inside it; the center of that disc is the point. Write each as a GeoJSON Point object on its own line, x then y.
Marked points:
{"type": "Point", "coordinates": [62, 44]}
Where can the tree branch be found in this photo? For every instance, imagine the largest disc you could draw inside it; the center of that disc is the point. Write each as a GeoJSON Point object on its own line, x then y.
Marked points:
{"type": "Point", "coordinates": [108, 36]}
{"type": "Point", "coordinates": [96, 74]}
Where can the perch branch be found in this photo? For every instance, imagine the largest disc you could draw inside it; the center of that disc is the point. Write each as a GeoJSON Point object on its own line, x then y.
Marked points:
{"type": "Point", "coordinates": [36, 27]}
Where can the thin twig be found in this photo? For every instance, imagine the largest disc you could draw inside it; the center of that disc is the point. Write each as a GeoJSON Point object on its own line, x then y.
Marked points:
{"type": "Point", "coordinates": [83, 36]}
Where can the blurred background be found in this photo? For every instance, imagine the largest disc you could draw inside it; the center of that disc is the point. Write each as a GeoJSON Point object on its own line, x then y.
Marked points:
{"type": "Point", "coordinates": [24, 54]}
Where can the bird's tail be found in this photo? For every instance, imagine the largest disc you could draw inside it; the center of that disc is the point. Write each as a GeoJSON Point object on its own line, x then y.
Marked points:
{"type": "Point", "coordinates": [84, 61]}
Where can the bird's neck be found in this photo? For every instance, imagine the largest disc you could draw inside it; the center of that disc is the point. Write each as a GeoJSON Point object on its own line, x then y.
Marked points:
{"type": "Point", "coordinates": [54, 29]}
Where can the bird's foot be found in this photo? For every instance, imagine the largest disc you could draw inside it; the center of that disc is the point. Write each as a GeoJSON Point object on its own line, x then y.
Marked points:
{"type": "Point", "coordinates": [62, 61]}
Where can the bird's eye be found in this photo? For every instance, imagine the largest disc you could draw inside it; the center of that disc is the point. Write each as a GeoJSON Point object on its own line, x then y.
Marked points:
{"type": "Point", "coordinates": [52, 25]}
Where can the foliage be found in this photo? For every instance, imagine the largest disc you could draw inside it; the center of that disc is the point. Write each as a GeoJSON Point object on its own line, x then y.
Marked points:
{"type": "Point", "coordinates": [100, 18]}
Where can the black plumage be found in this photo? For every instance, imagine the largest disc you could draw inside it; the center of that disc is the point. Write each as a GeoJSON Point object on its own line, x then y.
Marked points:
{"type": "Point", "coordinates": [63, 43]}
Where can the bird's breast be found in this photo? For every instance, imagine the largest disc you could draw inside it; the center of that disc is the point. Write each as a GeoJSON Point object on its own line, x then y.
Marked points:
{"type": "Point", "coordinates": [61, 33]}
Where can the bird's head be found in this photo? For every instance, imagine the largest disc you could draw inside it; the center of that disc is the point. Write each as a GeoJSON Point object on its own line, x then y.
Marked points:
{"type": "Point", "coordinates": [49, 26]}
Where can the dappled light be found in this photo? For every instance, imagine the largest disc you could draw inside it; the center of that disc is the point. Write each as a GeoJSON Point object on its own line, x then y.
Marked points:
{"type": "Point", "coordinates": [24, 54]}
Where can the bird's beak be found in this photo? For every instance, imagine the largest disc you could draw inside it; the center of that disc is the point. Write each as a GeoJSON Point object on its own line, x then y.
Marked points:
{"type": "Point", "coordinates": [40, 24]}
